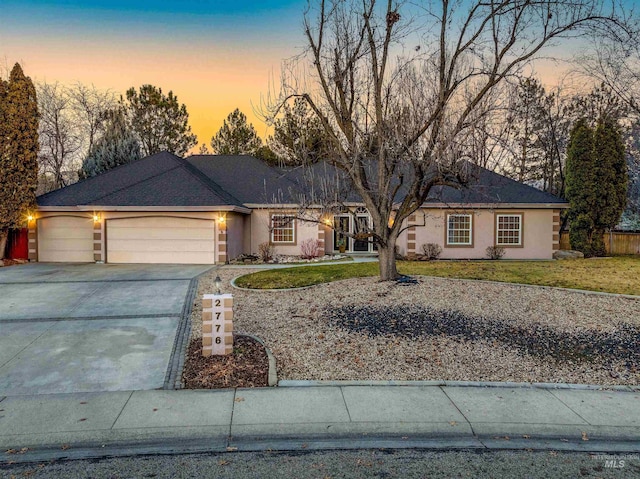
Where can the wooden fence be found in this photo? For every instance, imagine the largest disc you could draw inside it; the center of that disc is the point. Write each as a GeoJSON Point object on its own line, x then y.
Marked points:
{"type": "Point", "coordinates": [615, 242]}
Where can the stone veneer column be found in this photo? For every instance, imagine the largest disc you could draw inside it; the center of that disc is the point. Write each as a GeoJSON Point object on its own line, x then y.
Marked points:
{"type": "Point", "coordinates": [33, 239]}
{"type": "Point", "coordinates": [321, 243]}
{"type": "Point", "coordinates": [222, 242]}
{"type": "Point", "coordinates": [411, 236]}
{"type": "Point", "coordinates": [556, 230]}
{"type": "Point", "coordinates": [98, 240]}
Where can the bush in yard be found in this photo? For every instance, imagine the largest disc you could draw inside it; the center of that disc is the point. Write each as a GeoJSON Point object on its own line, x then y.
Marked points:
{"type": "Point", "coordinates": [309, 248]}
{"type": "Point", "coordinates": [495, 252]}
{"type": "Point", "coordinates": [431, 250]}
{"type": "Point", "coordinates": [265, 251]}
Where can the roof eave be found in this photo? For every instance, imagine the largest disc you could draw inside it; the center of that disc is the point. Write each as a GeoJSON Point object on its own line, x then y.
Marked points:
{"type": "Point", "coordinates": [497, 205]}
{"type": "Point", "coordinates": [227, 208]}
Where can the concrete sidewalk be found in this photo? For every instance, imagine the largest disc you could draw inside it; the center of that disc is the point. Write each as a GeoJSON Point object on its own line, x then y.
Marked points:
{"type": "Point", "coordinates": [324, 417]}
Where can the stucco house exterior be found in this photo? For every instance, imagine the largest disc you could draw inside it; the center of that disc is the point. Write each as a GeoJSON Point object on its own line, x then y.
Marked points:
{"type": "Point", "coordinates": [208, 209]}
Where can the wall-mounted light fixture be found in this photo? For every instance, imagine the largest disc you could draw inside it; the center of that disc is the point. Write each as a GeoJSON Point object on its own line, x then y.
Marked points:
{"type": "Point", "coordinates": [96, 217]}
{"type": "Point", "coordinates": [221, 219]}
{"type": "Point", "coordinates": [30, 218]}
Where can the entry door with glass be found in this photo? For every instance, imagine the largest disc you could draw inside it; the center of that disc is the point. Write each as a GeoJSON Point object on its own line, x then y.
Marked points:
{"type": "Point", "coordinates": [361, 223]}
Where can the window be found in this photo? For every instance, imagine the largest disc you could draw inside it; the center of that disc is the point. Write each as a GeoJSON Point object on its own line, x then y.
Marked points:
{"type": "Point", "coordinates": [459, 231]}
{"type": "Point", "coordinates": [283, 229]}
{"type": "Point", "coordinates": [509, 230]}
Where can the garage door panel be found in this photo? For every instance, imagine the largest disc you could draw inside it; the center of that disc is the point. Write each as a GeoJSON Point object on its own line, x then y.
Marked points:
{"type": "Point", "coordinates": [169, 233]}
{"type": "Point", "coordinates": [160, 240]}
{"type": "Point", "coordinates": [169, 246]}
{"type": "Point", "coordinates": [66, 239]}
{"type": "Point", "coordinates": [61, 245]}
{"type": "Point", "coordinates": [153, 257]}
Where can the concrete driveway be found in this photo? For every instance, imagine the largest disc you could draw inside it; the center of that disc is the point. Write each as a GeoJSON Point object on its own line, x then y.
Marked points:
{"type": "Point", "coordinates": [88, 327]}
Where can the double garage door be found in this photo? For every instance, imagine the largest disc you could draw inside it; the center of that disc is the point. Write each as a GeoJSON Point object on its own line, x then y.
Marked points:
{"type": "Point", "coordinates": [158, 239]}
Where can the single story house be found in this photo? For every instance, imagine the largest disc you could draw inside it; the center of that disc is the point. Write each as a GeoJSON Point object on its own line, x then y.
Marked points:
{"type": "Point", "coordinates": [208, 209]}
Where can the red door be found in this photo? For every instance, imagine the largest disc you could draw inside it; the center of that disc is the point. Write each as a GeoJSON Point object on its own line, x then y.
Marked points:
{"type": "Point", "coordinates": [18, 244]}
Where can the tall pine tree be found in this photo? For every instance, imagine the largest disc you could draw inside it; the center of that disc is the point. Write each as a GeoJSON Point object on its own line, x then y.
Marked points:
{"type": "Point", "coordinates": [160, 122]}
{"type": "Point", "coordinates": [236, 136]}
{"type": "Point", "coordinates": [116, 147]}
{"type": "Point", "coordinates": [18, 151]}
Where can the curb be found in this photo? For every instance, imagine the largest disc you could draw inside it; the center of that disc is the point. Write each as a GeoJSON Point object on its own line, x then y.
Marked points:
{"type": "Point", "coordinates": [272, 380]}
{"type": "Point", "coordinates": [306, 443]}
{"type": "Point", "coordinates": [488, 384]}
{"type": "Point", "coordinates": [487, 281]}
{"type": "Point", "coordinates": [254, 290]}
{"type": "Point", "coordinates": [571, 290]}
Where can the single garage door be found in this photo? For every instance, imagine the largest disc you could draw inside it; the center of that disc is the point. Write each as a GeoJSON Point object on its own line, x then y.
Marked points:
{"type": "Point", "coordinates": [160, 239]}
{"type": "Point", "coordinates": [65, 239]}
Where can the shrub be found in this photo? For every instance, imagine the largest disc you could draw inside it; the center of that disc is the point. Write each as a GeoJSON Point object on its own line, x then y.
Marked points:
{"type": "Point", "coordinates": [265, 251]}
{"type": "Point", "coordinates": [309, 248]}
{"type": "Point", "coordinates": [431, 250]}
{"type": "Point", "coordinates": [495, 252]}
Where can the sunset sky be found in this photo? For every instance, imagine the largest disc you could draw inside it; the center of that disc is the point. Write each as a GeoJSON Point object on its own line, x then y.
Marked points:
{"type": "Point", "coordinates": [215, 55]}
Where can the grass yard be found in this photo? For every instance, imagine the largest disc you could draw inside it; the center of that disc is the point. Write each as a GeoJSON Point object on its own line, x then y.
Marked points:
{"type": "Point", "coordinates": [614, 275]}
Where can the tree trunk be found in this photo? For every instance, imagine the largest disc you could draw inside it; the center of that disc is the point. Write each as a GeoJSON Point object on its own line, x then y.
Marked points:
{"type": "Point", "coordinates": [387, 261]}
{"type": "Point", "coordinates": [4, 234]}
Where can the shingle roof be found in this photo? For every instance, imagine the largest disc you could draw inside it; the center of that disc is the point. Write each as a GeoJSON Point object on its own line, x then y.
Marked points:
{"type": "Point", "coordinates": [487, 187]}
{"type": "Point", "coordinates": [249, 179]}
{"type": "Point", "coordinates": [164, 179]}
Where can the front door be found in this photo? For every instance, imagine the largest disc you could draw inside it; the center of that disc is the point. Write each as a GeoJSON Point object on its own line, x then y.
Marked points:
{"type": "Point", "coordinates": [341, 224]}
{"type": "Point", "coordinates": [361, 226]}
{"type": "Point", "coordinates": [348, 224]}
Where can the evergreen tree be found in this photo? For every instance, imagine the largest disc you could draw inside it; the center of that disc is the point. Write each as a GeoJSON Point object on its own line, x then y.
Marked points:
{"type": "Point", "coordinates": [159, 121]}
{"type": "Point", "coordinates": [596, 183]}
{"type": "Point", "coordinates": [297, 135]}
{"type": "Point", "coordinates": [18, 151]}
{"type": "Point", "coordinates": [236, 136]}
{"type": "Point", "coordinates": [580, 186]}
{"type": "Point", "coordinates": [526, 125]}
{"type": "Point", "coordinates": [116, 147]}
{"type": "Point", "coordinates": [612, 179]}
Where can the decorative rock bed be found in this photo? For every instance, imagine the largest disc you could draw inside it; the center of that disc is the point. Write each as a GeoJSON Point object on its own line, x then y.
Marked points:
{"type": "Point", "coordinates": [441, 329]}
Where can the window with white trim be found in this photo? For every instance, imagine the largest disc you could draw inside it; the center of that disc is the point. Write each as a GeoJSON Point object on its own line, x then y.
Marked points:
{"type": "Point", "coordinates": [283, 229]}
{"type": "Point", "coordinates": [508, 229]}
{"type": "Point", "coordinates": [459, 230]}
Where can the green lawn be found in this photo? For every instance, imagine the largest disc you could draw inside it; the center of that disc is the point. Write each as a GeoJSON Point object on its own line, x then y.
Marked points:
{"type": "Point", "coordinates": [614, 275]}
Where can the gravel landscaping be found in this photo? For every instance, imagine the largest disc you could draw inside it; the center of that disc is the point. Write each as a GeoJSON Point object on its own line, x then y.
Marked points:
{"type": "Point", "coordinates": [439, 329]}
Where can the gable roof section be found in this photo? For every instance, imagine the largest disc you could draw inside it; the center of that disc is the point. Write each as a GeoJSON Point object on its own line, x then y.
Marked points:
{"type": "Point", "coordinates": [162, 179]}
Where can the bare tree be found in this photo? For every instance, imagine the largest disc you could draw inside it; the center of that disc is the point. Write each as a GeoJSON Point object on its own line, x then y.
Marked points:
{"type": "Point", "coordinates": [614, 61]}
{"type": "Point", "coordinates": [60, 137]}
{"type": "Point", "coordinates": [72, 119]}
{"type": "Point", "coordinates": [90, 107]}
{"type": "Point", "coordinates": [397, 87]}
